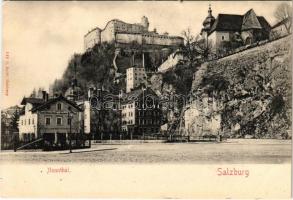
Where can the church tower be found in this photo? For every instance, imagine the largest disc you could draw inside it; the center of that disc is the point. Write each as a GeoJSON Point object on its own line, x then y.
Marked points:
{"type": "Point", "coordinates": [145, 23]}
{"type": "Point", "coordinates": [74, 92]}
{"type": "Point", "coordinates": [207, 23]}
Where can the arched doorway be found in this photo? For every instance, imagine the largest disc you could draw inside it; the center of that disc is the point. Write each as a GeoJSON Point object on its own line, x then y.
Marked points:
{"type": "Point", "coordinates": [248, 41]}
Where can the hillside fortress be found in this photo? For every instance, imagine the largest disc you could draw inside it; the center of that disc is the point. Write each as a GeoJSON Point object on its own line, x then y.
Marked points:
{"type": "Point", "coordinates": [125, 34]}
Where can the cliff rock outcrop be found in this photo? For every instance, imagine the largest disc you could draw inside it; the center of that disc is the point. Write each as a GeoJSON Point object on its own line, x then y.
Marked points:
{"type": "Point", "coordinates": [246, 94]}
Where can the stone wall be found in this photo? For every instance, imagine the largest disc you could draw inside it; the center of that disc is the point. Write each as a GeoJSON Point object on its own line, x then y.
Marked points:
{"type": "Point", "coordinates": [91, 38]}
{"type": "Point", "coordinates": [251, 92]}
{"type": "Point", "coordinates": [148, 39]}
{"type": "Point", "coordinates": [172, 60]}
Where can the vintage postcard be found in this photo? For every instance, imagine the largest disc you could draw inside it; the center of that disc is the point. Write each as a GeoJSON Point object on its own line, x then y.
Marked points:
{"type": "Point", "coordinates": [146, 99]}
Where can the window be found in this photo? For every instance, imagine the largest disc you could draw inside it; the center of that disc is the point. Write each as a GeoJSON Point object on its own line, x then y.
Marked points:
{"type": "Point", "coordinates": [21, 122]}
{"type": "Point", "coordinates": [59, 106]}
{"type": "Point", "coordinates": [223, 37]}
{"type": "Point", "coordinates": [48, 120]}
{"type": "Point", "coordinates": [29, 121]}
{"type": "Point", "coordinates": [33, 121]}
{"type": "Point", "coordinates": [59, 120]}
{"type": "Point", "coordinates": [68, 121]}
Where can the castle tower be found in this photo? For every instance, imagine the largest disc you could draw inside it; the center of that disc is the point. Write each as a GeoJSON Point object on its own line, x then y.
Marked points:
{"type": "Point", "coordinates": [207, 23]}
{"type": "Point", "coordinates": [145, 23]}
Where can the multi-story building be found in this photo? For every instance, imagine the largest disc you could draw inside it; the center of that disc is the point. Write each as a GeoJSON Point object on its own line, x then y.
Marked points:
{"type": "Point", "coordinates": [227, 28]}
{"type": "Point", "coordinates": [141, 113]}
{"type": "Point", "coordinates": [49, 118]}
{"type": "Point", "coordinates": [135, 76]}
{"type": "Point", "coordinates": [124, 33]}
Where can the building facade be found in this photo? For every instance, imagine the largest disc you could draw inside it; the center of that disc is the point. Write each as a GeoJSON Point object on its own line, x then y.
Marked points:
{"type": "Point", "coordinates": [49, 119]}
{"type": "Point", "coordinates": [229, 31]}
{"type": "Point", "coordinates": [124, 33]}
{"type": "Point", "coordinates": [141, 113]}
{"type": "Point", "coordinates": [135, 76]}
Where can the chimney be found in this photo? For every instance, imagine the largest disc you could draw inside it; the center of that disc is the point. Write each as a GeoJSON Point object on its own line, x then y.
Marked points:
{"type": "Point", "coordinates": [44, 94]}
{"type": "Point", "coordinates": [47, 96]}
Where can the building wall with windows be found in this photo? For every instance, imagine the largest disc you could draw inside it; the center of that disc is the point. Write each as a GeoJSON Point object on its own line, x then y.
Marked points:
{"type": "Point", "coordinates": [134, 77]}
{"type": "Point", "coordinates": [28, 124]}
{"type": "Point", "coordinates": [141, 113]}
{"type": "Point", "coordinates": [55, 119]}
{"type": "Point", "coordinates": [217, 37]}
{"type": "Point", "coordinates": [127, 115]}
{"type": "Point", "coordinates": [51, 119]}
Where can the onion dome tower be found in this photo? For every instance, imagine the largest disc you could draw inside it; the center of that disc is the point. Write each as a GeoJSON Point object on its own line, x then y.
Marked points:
{"type": "Point", "coordinates": [208, 23]}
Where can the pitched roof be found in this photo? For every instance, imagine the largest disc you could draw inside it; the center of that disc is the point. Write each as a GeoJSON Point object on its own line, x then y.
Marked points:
{"type": "Point", "coordinates": [264, 23]}
{"type": "Point", "coordinates": [52, 101]}
{"type": "Point", "coordinates": [250, 21]}
{"type": "Point", "coordinates": [228, 22]}
{"type": "Point", "coordinates": [32, 100]}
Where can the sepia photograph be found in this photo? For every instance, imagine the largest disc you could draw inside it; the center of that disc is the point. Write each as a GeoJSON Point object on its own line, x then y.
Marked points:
{"type": "Point", "coordinates": [146, 99]}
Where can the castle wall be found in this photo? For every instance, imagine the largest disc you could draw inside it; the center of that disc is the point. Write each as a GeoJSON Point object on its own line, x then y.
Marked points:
{"type": "Point", "coordinates": [162, 40]}
{"type": "Point", "coordinates": [148, 39]}
{"type": "Point", "coordinates": [128, 38]}
{"type": "Point", "coordinates": [108, 34]}
{"type": "Point", "coordinates": [120, 26]}
{"type": "Point", "coordinates": [92, 38]}
{"type": "Point", "coordinates": [125, 33]}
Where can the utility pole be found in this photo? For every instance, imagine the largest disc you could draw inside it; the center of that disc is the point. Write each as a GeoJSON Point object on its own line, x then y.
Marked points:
{"type": "Point", "coordinates": [70, 116]}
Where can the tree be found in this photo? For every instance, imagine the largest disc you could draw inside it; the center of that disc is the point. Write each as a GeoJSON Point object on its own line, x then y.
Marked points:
{"type": "Point", "coordinates": [14, 121]}
{"type": "Point", "coordinates": [284, 12]}
{"type": "Point", "coordinates": [195, 46]}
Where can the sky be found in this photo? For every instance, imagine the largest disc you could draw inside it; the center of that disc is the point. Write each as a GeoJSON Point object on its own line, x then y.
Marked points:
{"type": "Point", "coordinates": [39, 38]}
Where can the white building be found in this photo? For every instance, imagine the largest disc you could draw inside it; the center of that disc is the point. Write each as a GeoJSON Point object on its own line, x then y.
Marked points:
{"type": "Point", "coordinates": [49, 119]}
{"type": "Point", "coordinates": [134, 77]}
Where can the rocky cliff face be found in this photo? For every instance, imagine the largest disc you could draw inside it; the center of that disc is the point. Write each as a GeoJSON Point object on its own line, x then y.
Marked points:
{"type": "Point", "coordinates": [247, 94]}
{"type": "Point", "coordinates": [173, 88]}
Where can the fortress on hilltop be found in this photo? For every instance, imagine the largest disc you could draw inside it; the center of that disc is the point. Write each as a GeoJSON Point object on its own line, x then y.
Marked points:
{"type": "Point", "coordinates": [125, 34]}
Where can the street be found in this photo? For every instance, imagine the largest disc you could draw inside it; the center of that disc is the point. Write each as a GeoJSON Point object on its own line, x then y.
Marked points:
{"type": "Point", "coordinates": [230, 151]}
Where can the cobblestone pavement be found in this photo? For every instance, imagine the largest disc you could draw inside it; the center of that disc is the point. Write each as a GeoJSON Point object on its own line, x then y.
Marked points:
{"type": "Point", "coordinates": [231, 151]}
